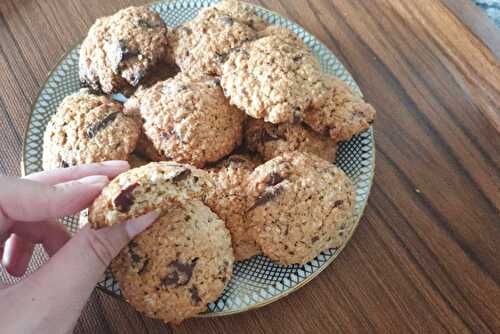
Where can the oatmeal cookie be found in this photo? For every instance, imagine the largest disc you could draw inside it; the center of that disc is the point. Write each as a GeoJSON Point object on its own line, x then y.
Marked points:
{"type": "Point", "coordinates": [120, 49]}
{"type": "Point", "coordinates": [189, 120]}
{"type": "Point", "coordinates": [177, 266]}
{"type": "Point", "coordinates": [270, 79]}
{"type": "Point", "coordinates": [157, 185]}
{"type": "Point", "coordinates": [88, 128]}
{"type": "Point", "coordinates": [337, 111]}
{"type": "Point", "coordinates": [300, 205]}
{"type": "Point", "coordinates": [271, 140]}
{"type": "Point", "coordinates": [201, 46]}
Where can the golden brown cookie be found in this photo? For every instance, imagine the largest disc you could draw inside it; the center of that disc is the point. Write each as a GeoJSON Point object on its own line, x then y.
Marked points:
{"type": "Point", "coordinates": [337, 111]}
{"type": "Point", "coordinates": [300, 206]}
{"type": "Point", "coordinates": [177, 266]}
{"type": "Point", "coordinates": [188, 120]}
{"type": "Point", "coordinates": [120, 49]}
{"type": "Point", "coordinates": [271, 79]}
{"type": "Point", "coordinates": [138, 191]}
{"type": "Point", "coordinates": [271, 140]}
{"type": "Point", "coordinates": [200, 47]}
{"type": "Point", "coordinates": [88, 128]}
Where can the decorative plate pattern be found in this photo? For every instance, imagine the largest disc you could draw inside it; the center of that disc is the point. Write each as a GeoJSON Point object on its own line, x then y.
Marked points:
{"type": "Point", "coordinates": [257, 281]}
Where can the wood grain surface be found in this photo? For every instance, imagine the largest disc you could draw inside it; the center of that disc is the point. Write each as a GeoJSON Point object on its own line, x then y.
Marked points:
{"type": "Point", "coordinates": [425, 257]}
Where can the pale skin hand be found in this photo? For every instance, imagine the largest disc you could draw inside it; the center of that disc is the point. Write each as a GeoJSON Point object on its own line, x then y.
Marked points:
{"type": "Point", "coordinates": [51, 299]}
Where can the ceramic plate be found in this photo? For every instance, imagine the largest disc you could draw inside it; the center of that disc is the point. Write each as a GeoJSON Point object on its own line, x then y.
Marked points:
{"type": "Point", "coordinates": [257, 281]}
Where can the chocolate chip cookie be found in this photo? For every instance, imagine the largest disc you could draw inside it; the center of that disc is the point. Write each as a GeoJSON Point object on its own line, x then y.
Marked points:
{"type": "Point", "coordinates": [271, 79]}
{"type": "Point", "coordinates": [189, 120]}
{"type": "Point", "coordinates": [300, 205]}
{"type": "Point", "coordinates": [337, 111]}
{"type": "Point", "coordinates": [120, 49]}
{"type": "Point", "coordinates": [138, 191]}
{"type": "Point", "coordinates": [230, 202]}
{"type": "Point", "coordinates": [201, 46]}
{"type": "Point", "coordinates": [88, 128]}
{"type": "Point", "coordinates": [177, 266]}
{"type": "Point", "coordinates": [271, 140]}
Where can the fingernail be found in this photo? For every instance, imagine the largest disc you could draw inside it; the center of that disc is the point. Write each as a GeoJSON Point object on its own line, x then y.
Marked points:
{"type": "Point", "coordinates": [99, 180]}
{"type": "Point", "coordinates": [116, 163]}
{"type": "Point", "coordinates": [137, 225]}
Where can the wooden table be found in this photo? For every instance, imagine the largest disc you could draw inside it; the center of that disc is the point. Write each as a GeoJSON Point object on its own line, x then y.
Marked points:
{"type": "Point", "coordinates": [426, 255]}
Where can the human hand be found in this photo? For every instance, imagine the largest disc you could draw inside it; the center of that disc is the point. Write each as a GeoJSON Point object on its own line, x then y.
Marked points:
{"type": "Point", "coordinates": [51, 299]}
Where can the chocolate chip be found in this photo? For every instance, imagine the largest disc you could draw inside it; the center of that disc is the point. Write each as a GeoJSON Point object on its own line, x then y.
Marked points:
{"type": "Point", "coordinates": [124, 201]}
{"type": "Point", "coordinates": [136, 79]}
{"type": "Point", "coordinates": [136, 258]}
{"type": "Point", "coordinates": [338, 203]}
{"type": "Point", "coordinates": [274, 179]}
{"type": "Point", "coordinates": [94, 129]}
{"type": "Point", "coordinates": [63, 164]}
{"type": "Point", "coordinates": [180, 273]}
{"type": "Point", "coordinates": [145, 24]}
{"type": "Point", "coordinates": [227, 20]}
{"type": "Point", "coordinates": [186, 30]}
{"type": "Point", "coordinates": [94, 88]}
{"type": "Point", "coordinates": [166, 134]}
{"type": "Point", "coordinates": [267, 196]}
{"type": "Point", "coordinates": [314, 239]}
{"type": "Point", "coordinates": [297, 115]}
{"type": "Point", "coordinates": [297, 58]}
{"type": "Point", "coordinates": [195, 297]}
{"type": "Point", "coordinates": [221, 57]}
{"type": "Point", "coordinates": [270, 134]}
{"type": "Point", "coordinates": [181, 175]}
{"type": "Point", "coordinates": [125, 51]}
{"type": "Point", "coordinates": [144, 267]}
{"type": "Point", "coordinates": [236, 159]}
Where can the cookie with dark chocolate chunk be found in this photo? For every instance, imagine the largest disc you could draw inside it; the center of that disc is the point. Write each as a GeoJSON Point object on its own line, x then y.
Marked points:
{"type": "Point", "coordinates": [88, 128]}
{"type": "Point", "coordinates": [178, 265]}
{"type": "Point", "coordinates": [300, 205]}
{"type": "Point", "coordinates": [188, 120]}
{"type": "Point", "coordinates": [201, 46]}
{"type": "Point", "coordinates": [157, 185]}
{"type": "Point", "coordinates": [121, 49]}
{"type": "Point", "coordinates": [271, 140]}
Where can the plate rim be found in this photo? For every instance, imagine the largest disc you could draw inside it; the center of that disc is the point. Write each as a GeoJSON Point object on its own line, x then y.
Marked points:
{"type": "Point", "coordinates": [292, 289]}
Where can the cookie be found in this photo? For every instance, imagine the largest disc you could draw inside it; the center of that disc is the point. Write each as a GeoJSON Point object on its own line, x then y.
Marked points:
{"type": "Point", "coordinates": [337, 111]}
{"type": "Point", "coordinates": [230, 202]}
{"type": "Point", "coordinates": [120, 49]}
{"type": "Point", "coordinates": [138, 191]}
{"type": "Point", "coordinates": [88, 128]}
{"type": "Point", "coordinates": [300, 205]}
{"type": "Point", "coordinates": [271, 140]}
{"type": "Point", "coordinates": [189, 120]}
{"type": "Point", "coordinates": [200, 47]}
{"type": "Point", "coordinates": [177, 266]}
{"type": "Point", "coordinates": [271, 79]}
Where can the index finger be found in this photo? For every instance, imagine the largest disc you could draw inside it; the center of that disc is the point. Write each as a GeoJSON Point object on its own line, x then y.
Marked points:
{"type": "Point", "coordinates": [59, 175]}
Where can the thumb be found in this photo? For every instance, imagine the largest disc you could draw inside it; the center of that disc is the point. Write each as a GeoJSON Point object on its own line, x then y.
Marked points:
{"type": "Point", "coordinates": [62, 286]}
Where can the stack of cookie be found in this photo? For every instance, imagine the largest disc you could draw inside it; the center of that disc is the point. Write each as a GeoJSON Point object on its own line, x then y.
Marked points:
{"type": "Point", "coordinates": [230, 129]}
